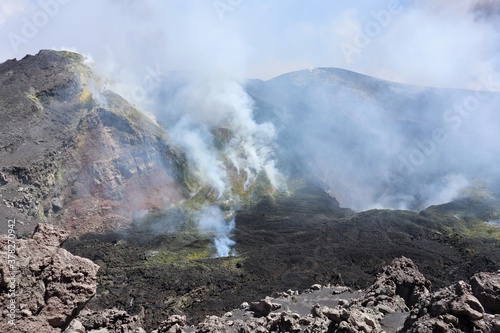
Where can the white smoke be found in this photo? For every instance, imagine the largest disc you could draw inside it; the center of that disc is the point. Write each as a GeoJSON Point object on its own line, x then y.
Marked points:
{"type": "Point", "coordinates": [202, 107]}
{"type": "Point", "coordinates": [143, 40]}
{"type": "Point", "coordinates": [446, 189]}
{"type": "Point", "coordinates": [211, 220]}
{"type": "Point", "coordinates": [195, 139]}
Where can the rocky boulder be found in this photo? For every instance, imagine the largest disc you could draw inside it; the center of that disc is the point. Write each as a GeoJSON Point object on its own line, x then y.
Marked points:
{"type": "Point", "coordinates": [173, 324]}
{"type": "Point", "coordinates": [401, 278]}
{"type": "Point", "coordinates": [263, 307]}
{"type": "Point", "coordinates": [486, 287]}
{"type": "Point", "coordinates": [457, 309]}
{"type": "Point", "coordinates": [44, 285]}
{"type": "Point", "coordinates": [107, 321]}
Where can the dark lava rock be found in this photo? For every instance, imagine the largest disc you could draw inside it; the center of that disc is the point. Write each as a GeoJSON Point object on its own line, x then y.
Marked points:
{"type": "Point", "coordinates": [109, 320]}
{"type": "Point", "coordinates": [450, 309]}
{"type": "Point", "coordinates": [69, 282]}
{"type": "Point", "coordinates": [173, 324]}
{"type": "Point", "coordinates": [282, 245]}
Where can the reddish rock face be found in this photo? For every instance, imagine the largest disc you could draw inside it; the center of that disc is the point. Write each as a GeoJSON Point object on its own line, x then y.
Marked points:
{"type": "Point", "coordinates": [75, 155]}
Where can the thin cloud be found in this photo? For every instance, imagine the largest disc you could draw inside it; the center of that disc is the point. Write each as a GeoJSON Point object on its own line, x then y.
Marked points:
{"type": "Point", "coordinates": [9, 9]}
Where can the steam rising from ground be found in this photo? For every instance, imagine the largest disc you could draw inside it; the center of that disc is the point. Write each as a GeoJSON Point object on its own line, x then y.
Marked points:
{"type": "Point", "coordinates": [213, 121]}
{"type": "Point", "coordinates": [211, 220]}
{"type": "Point", "coordinates": [375, 144]}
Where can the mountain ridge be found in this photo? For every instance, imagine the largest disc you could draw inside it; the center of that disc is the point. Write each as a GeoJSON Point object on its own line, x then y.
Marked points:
{"type": "Point", "coordinates": [75, 140]}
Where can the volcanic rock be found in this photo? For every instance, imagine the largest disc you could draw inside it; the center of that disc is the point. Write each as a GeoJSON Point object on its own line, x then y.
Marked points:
{"type": "Point", "coordinates": [50, 284]}
{"type": "Point", "coordinates": [486, 287]}
{"type": "Point", "coordinates": [70, 281]}
{"type": "Point", "coordinates": [263, 307]}
{"type": "Point", "coordinates": [455, 309]}
{"type": "Point", "coordinates": [107, 321]}
{"type": "Point", "coordinates": [76, 154]}
{"type": "Point", "coordinates": [402, 278]}
{"type": "Point", "coordinates": [451, 309]}
{"type": "Point", "coordinates": [212, 324]}
{"type": "Point", "coordinates": [173, 324]}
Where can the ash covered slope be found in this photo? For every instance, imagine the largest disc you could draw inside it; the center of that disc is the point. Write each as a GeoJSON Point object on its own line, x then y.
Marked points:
{"type": "Point", "coordinates": [73, 154]}
{"type": "Point", "coordinates": [374, 143]}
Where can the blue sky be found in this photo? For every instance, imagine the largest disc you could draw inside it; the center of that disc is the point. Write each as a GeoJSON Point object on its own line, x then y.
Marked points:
{"type": "Point", "coordinates": [450, 43]}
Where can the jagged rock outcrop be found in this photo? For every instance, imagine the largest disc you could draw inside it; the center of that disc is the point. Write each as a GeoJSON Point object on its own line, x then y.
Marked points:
{"type": "Point", "coordinates": [486, 287]}
{"type": "Point", "coordinates": [173, 324]}
{"type": "Point", "coordinates": [49, 285]}
{"type": "Point", "coordinates": [107, 321]}
{"type": "Point", "coordinates": [402, 279]}
{"type": "Point", "coordinates": [457, 309]}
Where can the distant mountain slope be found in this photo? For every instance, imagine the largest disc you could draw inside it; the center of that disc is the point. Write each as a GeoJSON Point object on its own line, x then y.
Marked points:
{"type": "Point", "coordinates": [71, 150]}
{"type": "Point", "coordinates": [374, 143]}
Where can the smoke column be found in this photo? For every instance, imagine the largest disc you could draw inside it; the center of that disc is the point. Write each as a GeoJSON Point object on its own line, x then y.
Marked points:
{"type": "Point", "coordinates": [211, 221]}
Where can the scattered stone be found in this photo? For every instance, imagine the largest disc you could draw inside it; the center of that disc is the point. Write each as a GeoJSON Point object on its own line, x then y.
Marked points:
{"type": "Point", "coordinates": [385, 309]}
{"type": "Point", "coordinates": [263, 307]}
{"type": "Point", "coordinates": [399, 287]}
{"type": "Point", "coordinates": [337, 290]}
{"type": "Point", "coordinates": [343, 302]}
{"type": "Point", "coordinates": [173, 324]}
{"type": "Point", "coordinates": [211, 324]}
{"type": "Point", "coordinates": [75, 326]}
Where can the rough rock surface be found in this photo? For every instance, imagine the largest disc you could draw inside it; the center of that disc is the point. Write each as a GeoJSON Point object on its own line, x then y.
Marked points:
{"type": "Point", "coordinates": [51, 285]}
{"type": "Point", "coordinates": [399, 301]}
{"type": "Point", "coordinates": [402, 278]}
{"type": "Point", "coordinates": [54, 286]}
{"type": "Point", "coordinates": [173, 324]}
{"type": "Point", "coordinates": [457, 309]}
{"type": "Point", "coordinates": [486, 287]}
{"type": "Point", "coordinates": [263, 307]}
{"type": "Point", "coordinates": [74, 153]}
{"type": "Point", "coordinates": [107, 321]}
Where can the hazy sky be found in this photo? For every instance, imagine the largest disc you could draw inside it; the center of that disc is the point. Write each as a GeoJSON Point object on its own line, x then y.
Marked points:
{"type": "Point", "coordinates": [446, 43]}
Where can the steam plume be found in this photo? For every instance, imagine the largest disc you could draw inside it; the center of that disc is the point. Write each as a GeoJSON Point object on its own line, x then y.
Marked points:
{"type": "Point", "coordinates": [211, 220]}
